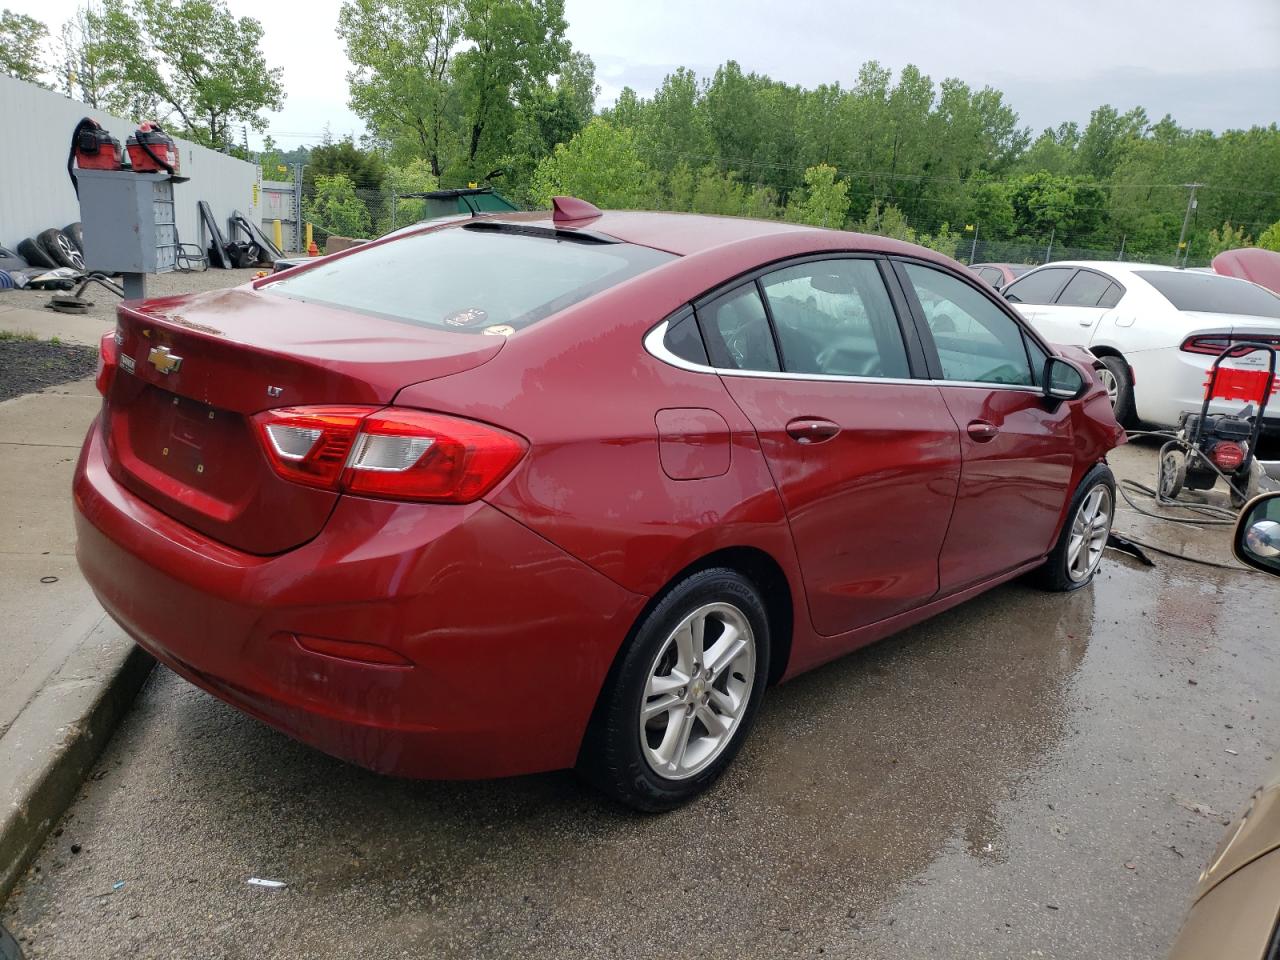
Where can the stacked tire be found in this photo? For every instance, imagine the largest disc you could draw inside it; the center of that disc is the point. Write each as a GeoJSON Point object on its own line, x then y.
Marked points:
{"type": "Point", "coordinates": [55, 248]}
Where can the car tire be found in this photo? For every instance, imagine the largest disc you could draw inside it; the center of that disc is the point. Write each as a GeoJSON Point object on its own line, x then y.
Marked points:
{"type": "Point", "coordinates": [35, 255]}
{"type": "Point", "coordinates": [60, 248]}
{"type": "Point", "coordinates": [76, 232]}
{"type": "Point", "coordinates": [1119, 383]}
{"type": "Point", "coordinates": [651, 743]}
{"type": "Point", "coordinates": [1070, 567]}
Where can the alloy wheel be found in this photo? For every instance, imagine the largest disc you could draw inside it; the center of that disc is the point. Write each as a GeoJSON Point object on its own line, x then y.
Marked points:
{"type": "Point", "coordinates": [1112, 385]}
{"type": "Point", "coordinates": [697, 692]}
{"type": "Point", "coordinates": [1089, 530]}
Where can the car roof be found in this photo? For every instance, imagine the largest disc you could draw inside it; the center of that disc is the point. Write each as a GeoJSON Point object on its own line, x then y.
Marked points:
{"type": "Point", "coordinates": [685, 234]}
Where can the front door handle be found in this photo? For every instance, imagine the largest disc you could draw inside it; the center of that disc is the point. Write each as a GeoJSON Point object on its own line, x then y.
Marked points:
{"type": "Point", "coordinates": [982, 430]}
{"type": "Point", "coordinates": [811, 430]}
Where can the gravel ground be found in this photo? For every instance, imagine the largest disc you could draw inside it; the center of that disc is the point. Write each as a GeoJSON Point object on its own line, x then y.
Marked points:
{"type": "Point", "coordinates": [163, 285]}
{"type": "Point", "coordinates": [27, 365]}
{"type": "Point", "coordinates": [1019, 777]}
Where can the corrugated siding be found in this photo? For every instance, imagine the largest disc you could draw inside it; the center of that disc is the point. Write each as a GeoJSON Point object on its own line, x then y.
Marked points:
{"type": "Point", "coordinates": [35, 192]}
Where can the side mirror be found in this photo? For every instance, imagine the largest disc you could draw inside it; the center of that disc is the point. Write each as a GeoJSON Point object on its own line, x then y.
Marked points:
{"type": "Point", "coordinates": [1257, 537]}
{"type": "Point", "coordinates": [1063, 380]}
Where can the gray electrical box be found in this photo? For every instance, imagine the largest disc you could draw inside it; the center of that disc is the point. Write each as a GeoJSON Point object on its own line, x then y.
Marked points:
{"type": "Point", "coordinates": [128, 220]}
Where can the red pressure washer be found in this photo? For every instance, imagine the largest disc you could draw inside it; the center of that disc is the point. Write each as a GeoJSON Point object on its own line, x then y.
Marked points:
{"type": "Point", "coordinates": [151, 150]}
{"type": "Point", "coordinates": [1208, 446]}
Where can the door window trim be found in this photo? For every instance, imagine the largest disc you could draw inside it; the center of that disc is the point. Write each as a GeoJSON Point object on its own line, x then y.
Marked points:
{"type": "Point", "coordinates": [926, 368]}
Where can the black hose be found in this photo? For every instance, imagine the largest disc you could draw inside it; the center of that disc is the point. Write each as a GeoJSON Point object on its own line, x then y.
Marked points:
{"type": "Point", "coordinates": [147, 150]}
{"type": "Point", "coordinates": [87, 123]}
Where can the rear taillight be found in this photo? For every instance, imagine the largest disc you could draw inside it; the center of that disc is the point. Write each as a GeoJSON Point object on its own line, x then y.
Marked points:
{"type": "Point", "coordinates": [108, 360]}
{"type": "Point", "coordinates": [1214, 343]}
{"type": "Point", "coordinates": [394, 453]}
{"type": "Point", "coordinates": [1227, 455]}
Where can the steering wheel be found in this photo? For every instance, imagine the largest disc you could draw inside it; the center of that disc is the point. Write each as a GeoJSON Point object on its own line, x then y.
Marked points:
{"type": "Point", "coordinates": [868, 367]}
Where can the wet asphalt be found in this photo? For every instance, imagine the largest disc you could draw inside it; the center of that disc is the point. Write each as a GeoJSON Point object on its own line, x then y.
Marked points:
{"type": "Point", "coordinates": [1019, 777]}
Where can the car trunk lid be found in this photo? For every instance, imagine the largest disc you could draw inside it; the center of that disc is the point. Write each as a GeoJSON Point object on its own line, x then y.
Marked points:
{"type": "Point", "coordinates": [193, 371]}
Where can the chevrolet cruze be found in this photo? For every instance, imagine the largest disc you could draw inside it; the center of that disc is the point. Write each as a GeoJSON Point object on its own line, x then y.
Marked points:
{"type": "Point", "coordinates": [571, 489]}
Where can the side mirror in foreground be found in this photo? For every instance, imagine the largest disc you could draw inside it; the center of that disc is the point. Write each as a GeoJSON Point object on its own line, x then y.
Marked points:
{"type": "Point", "coordinates": [1257, 537]}
{"type": "Point", "coordinates": [1063, 380]}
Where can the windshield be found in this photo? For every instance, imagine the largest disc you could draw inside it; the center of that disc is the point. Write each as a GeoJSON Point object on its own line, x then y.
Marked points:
{"type": "Point", "coordinates": [1209, 293]}
{"type": "Point", "coordinates": [468, 280]}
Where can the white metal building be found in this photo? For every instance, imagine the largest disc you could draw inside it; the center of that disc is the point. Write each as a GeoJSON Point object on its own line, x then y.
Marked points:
{"type": "Point", "coordinates": [35, 192]}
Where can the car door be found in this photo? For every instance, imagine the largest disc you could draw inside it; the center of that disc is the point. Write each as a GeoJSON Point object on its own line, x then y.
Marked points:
{"type": "Point", "coordinates": [864, 451]}
{"type": "Point", "coordinates": [1033, 291]}
{"type": "Point", "coordinates": [1016, 447]}
{"type": "Point", "coordinates": [1074, 315]}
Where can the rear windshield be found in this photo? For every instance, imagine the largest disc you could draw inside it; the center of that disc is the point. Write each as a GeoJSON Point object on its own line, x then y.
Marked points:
{"type": "Point", "coordinates": [467, 280]}
{"type": "Point", "coordinates": [1208, 293]}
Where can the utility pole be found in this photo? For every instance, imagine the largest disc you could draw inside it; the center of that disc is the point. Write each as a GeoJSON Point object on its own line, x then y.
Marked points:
{"type": "Point", "coordinates": [1186, 220]}
{"type": "Point", "coordinates": [973, 247]}
{"type": "Point", "coordinates": [1122, 240]}
{"type": "Point", "coordinates": [1048, 253]}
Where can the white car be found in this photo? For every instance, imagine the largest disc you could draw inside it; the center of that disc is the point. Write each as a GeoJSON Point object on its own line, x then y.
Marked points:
{"type": "Point", "coordinates": [1156, 329]}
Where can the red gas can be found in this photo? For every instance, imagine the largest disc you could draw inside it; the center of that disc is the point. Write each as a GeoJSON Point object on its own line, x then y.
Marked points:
{"type": "Point", "coordinates": [151, 150]}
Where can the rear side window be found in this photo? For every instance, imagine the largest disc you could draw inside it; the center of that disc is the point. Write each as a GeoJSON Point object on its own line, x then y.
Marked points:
{"type": "Point", "coordinates": [1111, 296]}
{"type": "Point", "coordinates": [1085, 289]}
{"type": "Point", "coordinates": [465, 280]}
{"type": "Point", "coordinates": [834, 317]}
{"type": "Point", "coordinates": [1037, 287]}
{"type": "Point", "coordinates": [736, 331]}
{"type": "Point", "coordinates": [684, 340]}
{"type": "Point", "coordinates": [1209, 293]}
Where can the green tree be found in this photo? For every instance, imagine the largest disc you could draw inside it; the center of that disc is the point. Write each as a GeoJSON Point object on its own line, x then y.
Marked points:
{"type": "Point", "coordinates": [401, 52]}
{"type": "Point", "coordinates": [824, 202]}
{"type": "Point", "coordinates": [886, 221]}
{"type": "Point", "coordinates": [1269, 239]}
{"type": "Point", "coordinates": [87, 71]}
{"type": "Point", "coordinates": [21, 38]}
{"type": "Point", "coordinates": [413, 177]}
{"type": "Point", "coordinates": [718, 193]}
{"type": "Point", "coordinates": [335, 208]}
{"type": "Point", "coordinates": [192, 59]}
{"type": "Point", "coordinates": [601, 165]}
{"type": "Point", "coordinates": [1228, 238]}
{"type": "Point", "coordinates": [364, 168]}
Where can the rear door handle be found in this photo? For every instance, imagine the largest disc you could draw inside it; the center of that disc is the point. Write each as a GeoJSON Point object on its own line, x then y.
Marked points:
{"type": "Point", "coordinates": [811, 430]}
{"type": "Point", "coordinates": [982, 430]}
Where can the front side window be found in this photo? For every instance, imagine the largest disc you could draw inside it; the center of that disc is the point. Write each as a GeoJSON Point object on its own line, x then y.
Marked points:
{"type": "Point", "coordinates": [1037, 287]}
{"type": "Point", "coordinates": [976, 341]}
{"type": "Point", "coordinates": [834, 317]}
{"type": "Point", "coordinates": [1085, 289]}
{"type": "Point", "coordinates": [736, 331]}
{"type": "Point", "coordinates": [469, 278]}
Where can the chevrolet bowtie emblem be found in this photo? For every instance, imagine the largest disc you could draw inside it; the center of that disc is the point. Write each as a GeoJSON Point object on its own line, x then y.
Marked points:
{"type": "Point", "coordinates": [163, 360]}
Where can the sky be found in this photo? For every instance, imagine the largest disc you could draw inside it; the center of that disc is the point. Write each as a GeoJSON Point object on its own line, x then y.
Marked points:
{"type": "Point", "coordinates": [1213, 65]}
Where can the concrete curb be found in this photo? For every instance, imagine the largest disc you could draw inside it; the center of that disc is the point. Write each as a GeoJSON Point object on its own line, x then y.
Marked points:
{"type": "Point", "coordinates": [51, 746]}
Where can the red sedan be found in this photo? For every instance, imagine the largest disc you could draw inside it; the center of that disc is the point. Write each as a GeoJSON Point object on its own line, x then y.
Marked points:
{"type": "Point", "coordinates": [571, 489]}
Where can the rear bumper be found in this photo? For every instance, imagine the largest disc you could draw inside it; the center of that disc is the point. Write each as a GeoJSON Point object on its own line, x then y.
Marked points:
{"type": "Point", "coordinates": [509, 638]}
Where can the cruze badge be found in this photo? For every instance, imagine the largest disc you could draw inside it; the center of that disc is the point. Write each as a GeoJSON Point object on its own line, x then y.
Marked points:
{"type": "Point", "coordinates": [164, 360]}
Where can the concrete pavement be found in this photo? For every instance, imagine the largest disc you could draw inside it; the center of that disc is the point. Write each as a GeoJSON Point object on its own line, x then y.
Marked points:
{"type": "Point", "coordinates": [1028, 775]}
{"type": "Point", "coordinates": [67, 673]}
